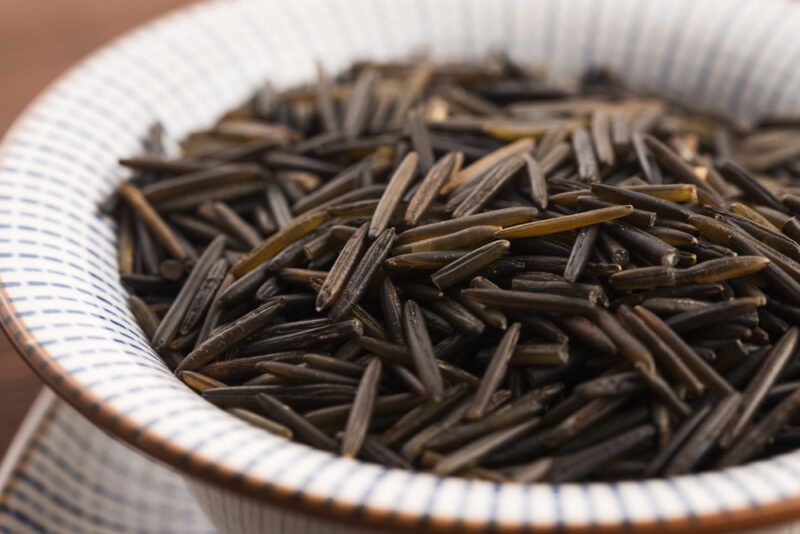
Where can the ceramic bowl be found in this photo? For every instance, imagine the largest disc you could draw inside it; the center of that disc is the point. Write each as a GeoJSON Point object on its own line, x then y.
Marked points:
{"type": "Point", "coordinates": [62, 303]}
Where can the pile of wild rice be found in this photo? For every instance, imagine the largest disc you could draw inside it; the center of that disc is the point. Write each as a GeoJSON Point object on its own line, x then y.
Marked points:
{"type": "Point", "coordinates": [470, 270]}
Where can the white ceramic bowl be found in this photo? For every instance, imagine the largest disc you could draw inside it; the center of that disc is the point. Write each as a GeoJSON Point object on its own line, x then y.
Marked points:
{"type": "Point", "coordinates": [63, 306]}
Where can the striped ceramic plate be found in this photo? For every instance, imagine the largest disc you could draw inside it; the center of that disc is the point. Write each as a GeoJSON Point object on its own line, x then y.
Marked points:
{"type": "Point", "coordinates": [63, 306]}
{"type": "Point", "coordinates": [63, 474]}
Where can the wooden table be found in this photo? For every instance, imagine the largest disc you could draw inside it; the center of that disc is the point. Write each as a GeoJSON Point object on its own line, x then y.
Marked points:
{"type": "Point", "coordinates": [39, 40]}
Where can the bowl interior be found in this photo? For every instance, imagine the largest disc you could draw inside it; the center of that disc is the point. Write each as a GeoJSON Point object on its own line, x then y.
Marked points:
{"type": "Point", "coordinates": [63, 304]}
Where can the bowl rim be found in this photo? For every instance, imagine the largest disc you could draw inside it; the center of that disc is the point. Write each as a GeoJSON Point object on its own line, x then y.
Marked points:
{"type": "Point", "coordinates": [187, 462]}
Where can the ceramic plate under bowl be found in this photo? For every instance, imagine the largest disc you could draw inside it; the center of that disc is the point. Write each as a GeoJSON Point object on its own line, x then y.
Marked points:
{"type": "Point", "coordinates": [65, 309]}
{"type": "Point", "coordinates": [62, 474]}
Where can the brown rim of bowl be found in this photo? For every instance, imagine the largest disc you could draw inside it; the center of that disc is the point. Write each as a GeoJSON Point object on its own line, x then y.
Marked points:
{"type": "Point", "coordinates": [125, 429]}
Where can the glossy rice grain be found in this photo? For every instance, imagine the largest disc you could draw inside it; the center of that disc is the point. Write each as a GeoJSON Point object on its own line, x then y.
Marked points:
{"type": "Point", "coordinates": [345, 262]}
{"type": "Point", "coordinates": [564, 222]}
{"type": "Point", "coordinates": [358, 422]}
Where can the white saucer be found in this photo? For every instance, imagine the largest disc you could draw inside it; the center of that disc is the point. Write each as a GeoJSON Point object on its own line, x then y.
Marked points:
{"type": "Point", "coordinates": [62, 474]}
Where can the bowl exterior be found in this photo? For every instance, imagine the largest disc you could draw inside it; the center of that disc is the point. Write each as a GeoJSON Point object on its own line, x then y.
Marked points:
{"type": "Point", "coordinates": [62, 304]}
{"type": "Point", "coordinates": [233, 513]}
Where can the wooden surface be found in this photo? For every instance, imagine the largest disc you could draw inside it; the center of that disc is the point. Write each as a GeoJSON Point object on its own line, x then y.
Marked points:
{"type": "Point", "coordinates": [40, 39]}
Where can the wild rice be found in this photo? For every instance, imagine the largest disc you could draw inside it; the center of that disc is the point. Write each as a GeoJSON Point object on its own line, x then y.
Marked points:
{"type": "Point", "coordinates": [463, 269]}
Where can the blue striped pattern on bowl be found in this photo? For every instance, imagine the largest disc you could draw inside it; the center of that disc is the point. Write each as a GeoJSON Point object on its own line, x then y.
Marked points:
{"type": "Point", "coordinates": [62, 302]}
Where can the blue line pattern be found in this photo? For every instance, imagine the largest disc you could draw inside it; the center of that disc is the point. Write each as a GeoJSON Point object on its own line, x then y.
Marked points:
{"type": "Point", "coordinates": [58, 264]}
